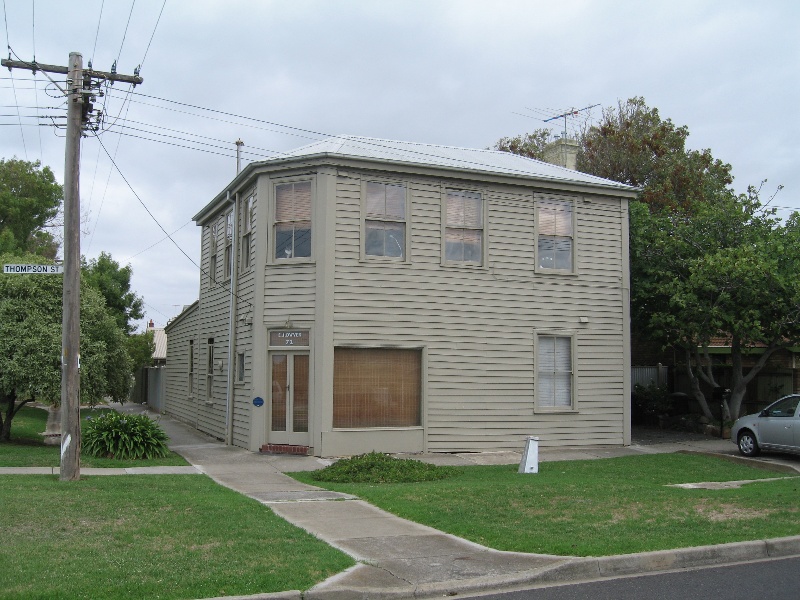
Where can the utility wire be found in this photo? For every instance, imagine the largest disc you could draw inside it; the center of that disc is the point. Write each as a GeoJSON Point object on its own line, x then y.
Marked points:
{"type": "Point", "coordinates": [364, 143]}
{"type": "Point", "coordinates": [125, 34]}
{"type": "Point", "coordinates": [157, 243]}
{"type": "Point", "coordinates": [108, 179]}
{"type": "Point", "coordinates": [35, 91]}
{"type": "Point", "coordinates": [97, 33]}
{"type": "Point", "coordinates": [141, 64]}
{"type": "Point", "coordinates": [161, 227]}
{"type": "Point", "coordinates": [8, 43]}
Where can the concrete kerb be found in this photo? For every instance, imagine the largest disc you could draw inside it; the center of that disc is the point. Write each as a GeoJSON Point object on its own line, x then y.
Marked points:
{"type": "Point", "coordinates": [569, 570]}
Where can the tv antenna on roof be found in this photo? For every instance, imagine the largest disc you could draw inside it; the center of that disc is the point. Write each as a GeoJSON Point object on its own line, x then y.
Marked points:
{"type": "Point", "coordinates": [570, 113]}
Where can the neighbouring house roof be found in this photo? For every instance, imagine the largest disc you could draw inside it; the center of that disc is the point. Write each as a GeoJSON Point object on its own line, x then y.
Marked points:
{"type": "Point", "coordinates": [160, 340]}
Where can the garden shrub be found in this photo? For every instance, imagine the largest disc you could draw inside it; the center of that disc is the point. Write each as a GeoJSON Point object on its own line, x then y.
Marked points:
{"type": "Point", "coordinates": [375, 467]}
{"type": "Point", "coordinates": [124, 437]}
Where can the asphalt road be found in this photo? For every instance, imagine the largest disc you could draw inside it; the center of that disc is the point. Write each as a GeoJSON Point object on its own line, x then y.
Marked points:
{"type": "Point", "coordinates": [769, 579]}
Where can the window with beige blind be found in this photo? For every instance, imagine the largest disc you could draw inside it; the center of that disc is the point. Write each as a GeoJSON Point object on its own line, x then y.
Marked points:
{"type": "Point", "coordinates": [377, 387]}
{"type": "Point", "coordinates": [385, 220]}
{"type": "Point", "coordinates": [554, 372]}
{"type": "Point", "coordinates": [463, 232]}
{"type": "Point", "coordinates": [556, 236]}
{"type": "Point", "coordinates": [293, 220]}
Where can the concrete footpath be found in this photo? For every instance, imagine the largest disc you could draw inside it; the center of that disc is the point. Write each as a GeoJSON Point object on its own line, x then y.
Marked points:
{"type": "Point", "coordinates": [401, 559]}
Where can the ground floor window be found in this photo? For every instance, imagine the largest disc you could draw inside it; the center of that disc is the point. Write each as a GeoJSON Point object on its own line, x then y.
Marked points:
{"type": "Point", "coordinates": [555, 372]}
{"type": "Point", "coordinates": [377, 387]}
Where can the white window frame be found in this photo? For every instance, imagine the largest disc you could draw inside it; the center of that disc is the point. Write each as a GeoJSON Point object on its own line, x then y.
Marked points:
{"type": "Point", "coordinates": [209, 369]}
{"type": "Point", "coordinates": [274, 260]}
{"type": "Point", "coordinates": [228, 255]}
{"type": "Point", "coordinates": [190, 367]}
{"type": "Point", "coordinates": [542, 203]}
{"type": "Point", "coordinates": [213, 234]}
{"type": "Point", "coordinates": [386, 219]}
{"type": "Point", "coordinates": [241, 364]}
{"type": "Point", "coordinates": [248, 216]}
{"type": "Point", "coordinates": [484, 229]}
{"type": "Point", "coordinates": [542, 405]}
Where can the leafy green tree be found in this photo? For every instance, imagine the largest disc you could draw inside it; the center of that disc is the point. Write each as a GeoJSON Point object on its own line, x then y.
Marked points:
{"type": "Point", "coordinates": [30, 198]}
{"type": "Point", "coordinates": [632, 144]}
{"type": "Point", "coordinates": [30, 344]}
{"type": "Point", "coordinates": [140, 348]}
{"type": "Point", "coordinates": [530, 144]}
{"type": "Point", "coordinates": [724, 269]}
{"type": "Point", "coordinates": [114, 283]}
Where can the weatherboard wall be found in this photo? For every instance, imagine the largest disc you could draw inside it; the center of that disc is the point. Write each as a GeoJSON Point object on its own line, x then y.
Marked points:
{"type": "Point", "coordinates": [477, 324]}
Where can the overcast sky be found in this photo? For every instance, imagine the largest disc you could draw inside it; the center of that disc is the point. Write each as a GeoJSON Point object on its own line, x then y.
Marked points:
{"type": "Point", "coordinates": [457, 73]}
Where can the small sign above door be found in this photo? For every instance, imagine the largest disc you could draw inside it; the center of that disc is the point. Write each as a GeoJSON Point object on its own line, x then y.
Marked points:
{"type": "Point", "coordinates": [289, 337]}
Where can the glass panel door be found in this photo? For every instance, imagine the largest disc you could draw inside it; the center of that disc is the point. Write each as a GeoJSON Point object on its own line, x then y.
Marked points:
{"type": "Point", "coordinates": [300, 394]}
{"type": "Point", "coordinates": [290, 398]}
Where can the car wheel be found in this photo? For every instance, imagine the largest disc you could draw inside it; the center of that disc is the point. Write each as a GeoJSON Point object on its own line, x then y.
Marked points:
{"type": "Point", "coordinates": [748, 445]}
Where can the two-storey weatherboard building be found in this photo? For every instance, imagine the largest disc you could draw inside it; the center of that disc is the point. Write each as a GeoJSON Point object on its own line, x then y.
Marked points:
{"type": "Point", "coordinates": [360, 294]}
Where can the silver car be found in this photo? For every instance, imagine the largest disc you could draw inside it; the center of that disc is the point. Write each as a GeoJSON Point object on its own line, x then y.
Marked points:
{"type": "Point", "coordinates": [775, 428]}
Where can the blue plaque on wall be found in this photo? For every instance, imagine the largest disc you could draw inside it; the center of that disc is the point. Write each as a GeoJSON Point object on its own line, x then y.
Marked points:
{"type": "Point", "coordinates": [258, 401]}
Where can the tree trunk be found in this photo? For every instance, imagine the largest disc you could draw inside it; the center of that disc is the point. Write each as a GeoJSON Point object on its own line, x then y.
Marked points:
{"type": "Point", "coordinates": [5, 423]}
{"type": "Point", "coordinates": [695, 383]}
{"type": "Point", "coordinates": [13, 409]}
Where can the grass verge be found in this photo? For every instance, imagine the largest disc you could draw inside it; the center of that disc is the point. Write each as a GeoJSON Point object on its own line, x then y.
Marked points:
{"type": "Point", "coordinates": [595, 507]}
{"type": "Point", "coordinates": [27, 449]}
{"type": "Point", "coordinates": [168, 537]}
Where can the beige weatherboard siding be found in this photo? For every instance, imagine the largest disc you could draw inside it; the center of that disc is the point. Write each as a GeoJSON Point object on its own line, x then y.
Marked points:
{"type": "Point", "coordinates": [499, 283]}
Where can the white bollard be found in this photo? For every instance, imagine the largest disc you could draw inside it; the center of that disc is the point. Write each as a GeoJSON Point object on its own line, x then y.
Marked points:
{"type": "Point", "coordinates": [530, 458]}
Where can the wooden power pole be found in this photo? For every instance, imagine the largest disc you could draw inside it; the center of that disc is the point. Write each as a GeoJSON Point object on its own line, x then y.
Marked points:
{"type": "Point", "coordinates": [78, 93]}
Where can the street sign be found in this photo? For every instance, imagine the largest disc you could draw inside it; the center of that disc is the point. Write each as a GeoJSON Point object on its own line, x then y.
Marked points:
{"type": "Point", "coordinates": [45, 269]}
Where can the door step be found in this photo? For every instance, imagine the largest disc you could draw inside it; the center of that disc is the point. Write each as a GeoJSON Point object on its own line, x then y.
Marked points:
{"type": "Point", "coordinates": [284, 449]}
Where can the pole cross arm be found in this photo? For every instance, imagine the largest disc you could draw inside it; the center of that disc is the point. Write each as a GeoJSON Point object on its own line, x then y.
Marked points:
{"type": "Point", "coordinates": [89, 73]}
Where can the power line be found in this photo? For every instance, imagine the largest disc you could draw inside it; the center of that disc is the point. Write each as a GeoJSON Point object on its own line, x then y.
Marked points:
{"type": "Point", "coordinates": [157, 243]}
{"type": "Point", "coordinates": [97, 33]}
{"type": "Point", "coordinates": [8, 43]}
{"type": "Point", "coordinates": [124, 35]}
{"type": "Point", "coordinates": [387, 148]}
{"type": "Point", "coordinates": [141, 64]}
{"type": "Point", "coordinates": [161, 227]}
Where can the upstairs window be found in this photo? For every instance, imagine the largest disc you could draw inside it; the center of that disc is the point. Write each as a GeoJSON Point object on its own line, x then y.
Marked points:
{"type": "Point", "coordinates": [556, 236]}
{"type": "Point", "coordinates": [463, 227]}
{"type": "Point", "coordinates": [248, 214]}
{"type": "Point", "coordinates": [212, 253]}
{"type": "Point", "coordinates": [293, 220]}
{"type": "Point", "coordinates": [385, 220]}
{"type": "Point", "coordinates": [228, 244]}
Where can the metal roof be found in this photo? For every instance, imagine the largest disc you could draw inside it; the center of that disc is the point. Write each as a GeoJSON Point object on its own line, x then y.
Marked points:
{"type": "Point", "coordinates": [489, 161]}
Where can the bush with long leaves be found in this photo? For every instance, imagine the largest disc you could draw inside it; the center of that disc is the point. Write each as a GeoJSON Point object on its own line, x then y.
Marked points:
{"type": "Point", "coordinates": [124, 437]}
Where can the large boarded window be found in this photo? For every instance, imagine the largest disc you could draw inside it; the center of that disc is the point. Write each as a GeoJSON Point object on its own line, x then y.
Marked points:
{"type": "Point", "coordinates": [293, 220]}
{"type": "Point", "coordinates": [376, 387]}
{"type": "Point", "coordinates": [554, 373]}
{"type": "Point", "coordinates": [464, 227]}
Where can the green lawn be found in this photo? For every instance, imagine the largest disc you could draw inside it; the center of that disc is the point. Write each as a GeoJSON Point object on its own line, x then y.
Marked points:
{"type": "Point", "coordinates": [27, 448]}
{"type": "Point", "coordinates": [159, 536]}
{"type": "Point", "coordinates": [595, 507]}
